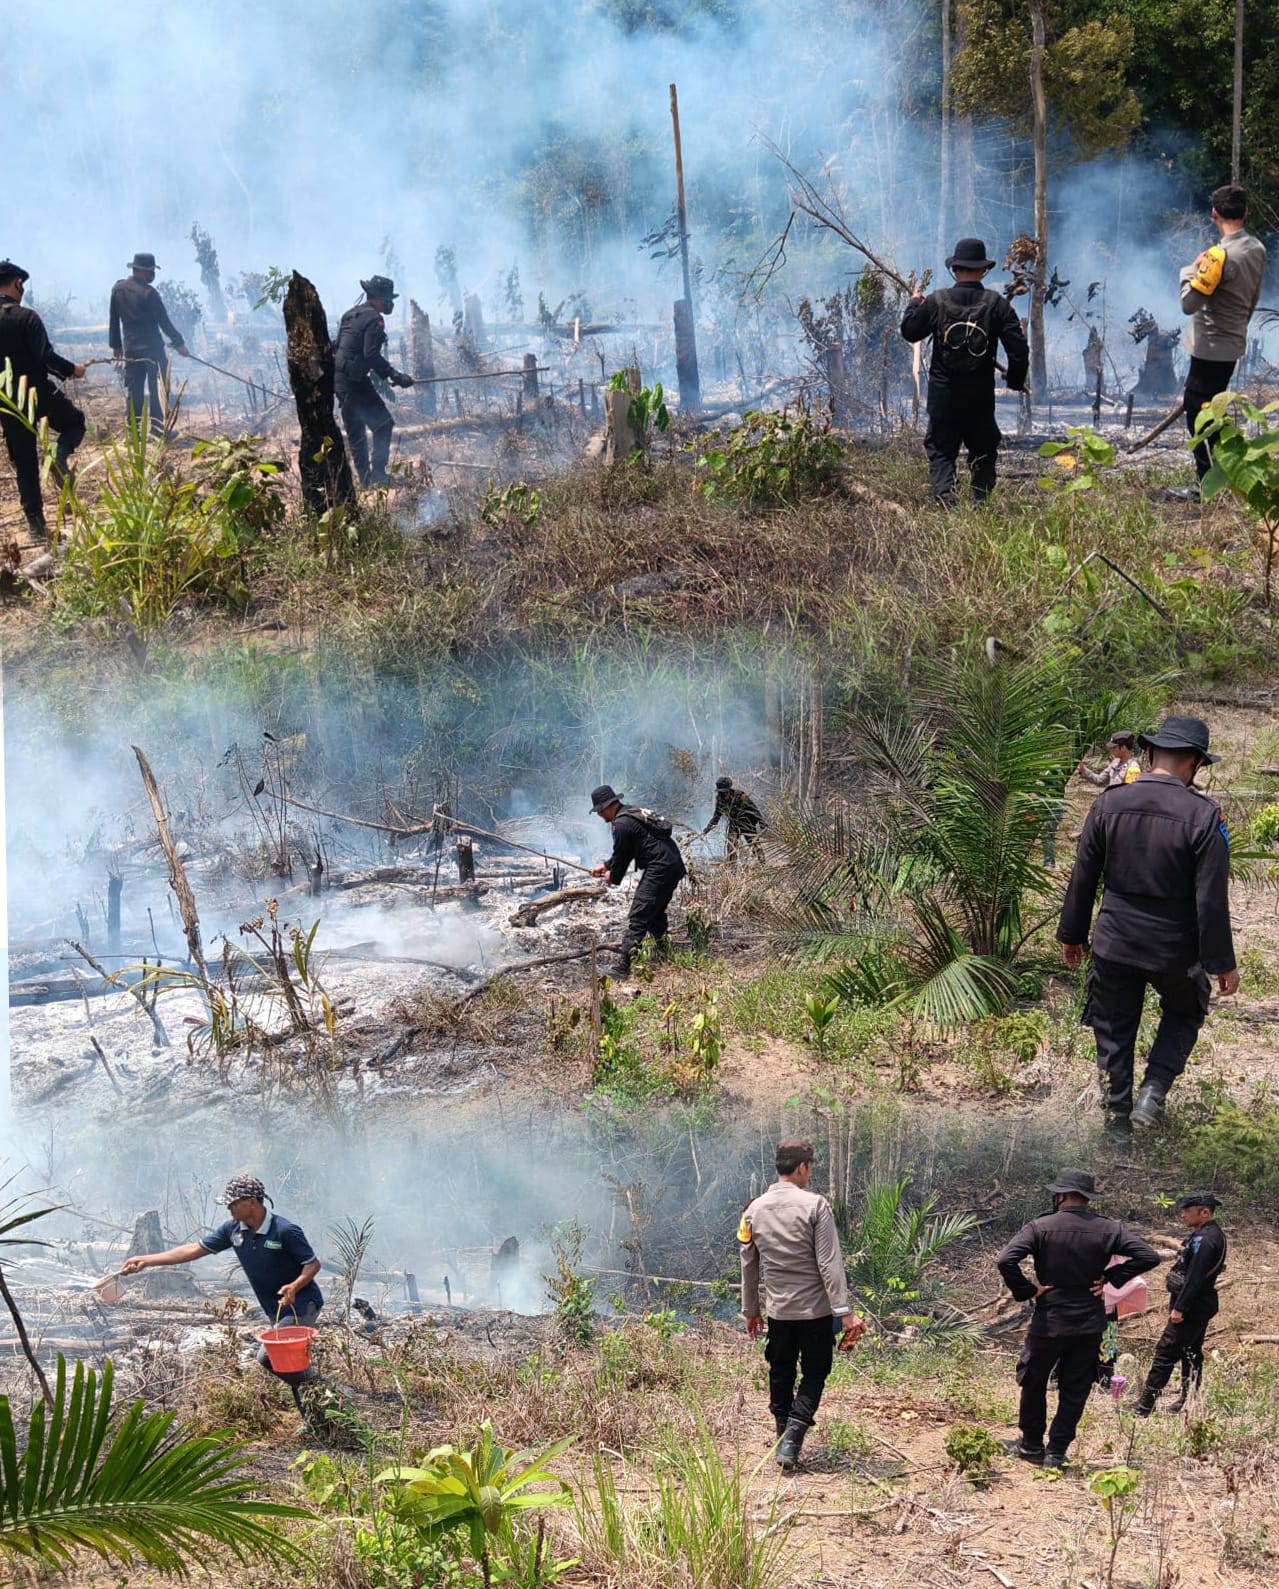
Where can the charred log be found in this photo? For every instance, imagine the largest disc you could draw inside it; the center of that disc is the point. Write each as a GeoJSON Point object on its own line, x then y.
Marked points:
{"type": "Point", "coordinates": [322, 462]}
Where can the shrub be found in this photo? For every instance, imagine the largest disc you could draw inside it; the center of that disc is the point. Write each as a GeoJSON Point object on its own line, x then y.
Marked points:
{"type": "Point", "coordinates": [972, 1450]}
{"type": "Point", "coordinates": [772, 460]}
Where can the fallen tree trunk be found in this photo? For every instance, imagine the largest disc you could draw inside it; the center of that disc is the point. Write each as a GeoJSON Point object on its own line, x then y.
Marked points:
{"type": "Point", "coordinates": [531, 909]}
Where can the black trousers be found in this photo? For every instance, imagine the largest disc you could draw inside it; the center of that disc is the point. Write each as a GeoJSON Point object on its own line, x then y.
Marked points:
{"type": "Point", "coordinates": [64, 418]}
{"type": "Point", "coordinates": [1112, 1007]}
{"type": "Point", "coordinates": [1180, 1343]}
{"type": "Point", "coordinates": [647, 915]}
{"type": "Point", "coordinates": [146, 383]}
{"type": "Point", "coordinates": [806, 1345]}
{"type": "Point", "coordinates": [1075, 1357]}
{"type": "Point", "coordinates": [958, 419]}
{"type": "Point", "coordinates": [364, 411]}
{"type": "Point", "coordinates": [1205, 379]}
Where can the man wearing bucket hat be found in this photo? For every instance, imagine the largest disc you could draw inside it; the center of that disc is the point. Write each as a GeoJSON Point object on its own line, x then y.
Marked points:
{"type": "Point", "coordinates": [1192, 1304]}
{"type": "Point", "coordinates": [357, 354]}
{"type": "Point", "coordinates": [644, 838]}
{"type": "Point", "coordinates": [274, 1254]}
{"type": "Point", "coordinates": [1071, 1249]}
{"type": "Point", "coordinates": [1160, 847]}
{"type": "Point", "coordinates": [967, 322]}
{"type": "Point", "coordinates": [139, 323]}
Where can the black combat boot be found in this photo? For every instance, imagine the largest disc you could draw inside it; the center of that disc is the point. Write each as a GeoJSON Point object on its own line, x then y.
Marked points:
{"type": "Point", "coordinates": [1144, 1404]}
{"type": "Point", "coordinates": [788, 1447]}
{"type": "Point", "coordinates": [1054, 1458]}
{"type": "Point", "coordinates": [781, 1420]}
{"type": "Point", "coordinates": [1180, 1404]}
{"type": "Point", "coordinates": [1025, 1453]}
{"type": "Point", "coordinates": [1149, 1108]}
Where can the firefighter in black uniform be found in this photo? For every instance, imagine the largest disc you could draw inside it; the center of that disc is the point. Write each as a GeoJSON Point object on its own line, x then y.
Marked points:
{"type": "Point", "coordinates": [139, 323]}
{"type": "Point", "coordinates": [1161, 848]}
{"type": "Point", "coordinates": [745, 819]}
{"type": "Point", "coordinates": [25, 348]}
{"type": "Point", "coordinates": [1192, 1304]}
{"type": "Point", "coordinates": [645, 838]}
{"type": "Point", "coordinates": [357, 354]}
{"type": "Point", "coordinates": [1071, 1248]}
{"type": "Point", "coordinates": [966, 323]}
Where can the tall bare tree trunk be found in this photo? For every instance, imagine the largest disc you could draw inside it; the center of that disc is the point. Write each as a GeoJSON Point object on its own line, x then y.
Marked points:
{"type": "Point", "coordinates": [943, 157]}
{"type": "Point", "coordinates": [1236, 121]}
{"type": "Point", "coordinates": [1038, 353]}
{"type": "Point", "coordinates": [322, 461]}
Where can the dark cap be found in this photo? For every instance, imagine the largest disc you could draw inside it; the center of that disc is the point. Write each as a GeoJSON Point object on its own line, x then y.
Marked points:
{"type": "Point", "coordinates": [1196, 1200]}
{"type": "Point", "coordinates": [1121, 738]}
{"type": "Point", "coordinates": [723, 783]}
{"type": "Point", "coordinates": [1179, 733]}
{"type": "Point", "coordinates": [11, 272]}
{"type": "Point", "coordinates": [603, 796]}
{"type": "Point", "coordinates": [242, 1186]}
{"type": "Point", "coordinates": [143, 262]}
{"type": "Point", "coordinates": [970, 254]}
{"type": "Point", "coordinates": [1077, 1181]}
{"type": "Point", "coordinates": [379, 287]}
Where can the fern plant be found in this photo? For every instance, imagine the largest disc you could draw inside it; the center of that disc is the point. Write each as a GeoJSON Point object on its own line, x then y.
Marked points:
{"type": "Point", "coordinates": [85, 1483]}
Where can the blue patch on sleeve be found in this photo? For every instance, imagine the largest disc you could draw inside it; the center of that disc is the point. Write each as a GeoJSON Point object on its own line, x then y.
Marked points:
{"type": "Point", "coordinates": [1221, 828]}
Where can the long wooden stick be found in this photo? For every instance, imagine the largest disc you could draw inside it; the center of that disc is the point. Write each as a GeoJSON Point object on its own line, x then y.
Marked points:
{"type": "Point", "coordinates": [177, 874]}
{"type": "Point", "coordinates": [24, 1340]}
{"type": "Point", "coordinates": [1168, 419]}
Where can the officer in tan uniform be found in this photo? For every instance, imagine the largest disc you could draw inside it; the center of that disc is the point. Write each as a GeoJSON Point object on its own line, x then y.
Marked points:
{"type": "Point", "coordinates": [791, 1257]}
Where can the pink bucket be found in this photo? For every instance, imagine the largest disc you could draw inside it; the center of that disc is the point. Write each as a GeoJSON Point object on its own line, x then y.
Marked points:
{"type": "Point", "coordinates": [1131, 1298]}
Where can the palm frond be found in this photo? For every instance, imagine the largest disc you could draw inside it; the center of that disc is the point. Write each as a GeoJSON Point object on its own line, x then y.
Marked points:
{"type": "Point", "coordinates": [84, 1485]}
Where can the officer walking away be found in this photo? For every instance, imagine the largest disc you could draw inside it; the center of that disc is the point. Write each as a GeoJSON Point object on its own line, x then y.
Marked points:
{"type": "Point", "coordinates": [26, 351]}
{"type": "Point", "coordinates": [744, 818]}
{"type": "Point", "coordinates": [645, 838]}
{"type": "Point", "coordinates": [276, 1258]}
{"type": "Point", "coordinates": [966, 322]}
{"type": "Point", "coordinates": [1123, 766]}
{"type": "Point", "coordinates": [793, 1270]}
{"type": "Point", "coordinates": [1192, 1304]}
{"type": "Point", "coordinates": [1160, 847]}
{"type": "Point", "coordinates": [357, 354]}
{"type": "Point", "coordinates": [1219, 292]}
{"type": "Point", "coordinates": [139, 325]}
{"type": "Point", "coordinates": [1071, 1249]}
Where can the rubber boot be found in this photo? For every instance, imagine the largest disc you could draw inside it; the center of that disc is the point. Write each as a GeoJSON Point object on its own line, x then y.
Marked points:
{"type": "Point", "coordinates": [781, 1420]}
{"type": "Point", "coordinates": [789, 1446]}
{"type": "Point", "coordinates": [1149, 1108]}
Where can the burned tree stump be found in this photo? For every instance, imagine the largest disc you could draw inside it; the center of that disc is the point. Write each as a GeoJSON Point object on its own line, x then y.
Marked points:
{"type": "Point", "coordinates": [465, 859]}
{"type": "Point", "coordinates": [168, 1282]}
{"type": "Point", "coordinates": [1158, 378]}
{"type": "Point", "coordinates": [322, 462]}
{"type": "Point", "coordinates": [422, 356]}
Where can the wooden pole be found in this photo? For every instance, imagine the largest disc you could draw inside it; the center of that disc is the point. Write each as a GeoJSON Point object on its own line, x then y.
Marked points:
{"type": "Point", "coordinates": [943, 161]}
{"type": "Point", "coordinates": [690, 395]}
{"type": "Point", "coordinates": [1038, 352]}
{"type": "Point", "coordinates": [1236, 123]}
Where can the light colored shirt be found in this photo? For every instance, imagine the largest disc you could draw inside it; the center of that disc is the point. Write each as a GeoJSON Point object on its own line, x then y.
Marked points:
{"type": "Point", "coordinates": [791, 1257]}
{"type": "Point", "coordinates": [1218, 329]}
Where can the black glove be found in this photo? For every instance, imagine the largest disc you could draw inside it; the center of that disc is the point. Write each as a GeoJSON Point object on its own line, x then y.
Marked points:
{"type": "Point", "coordinates": [397, 379]}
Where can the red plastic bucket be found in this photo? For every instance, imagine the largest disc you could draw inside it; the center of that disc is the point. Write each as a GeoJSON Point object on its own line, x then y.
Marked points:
{"type": "Point", "coordinates": [288, 1347]}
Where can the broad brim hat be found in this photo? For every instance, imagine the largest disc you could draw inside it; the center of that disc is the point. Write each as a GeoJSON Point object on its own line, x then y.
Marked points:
{"type": "Point", "coordinates": [970, 254]}
{"type": "Point", "coordinates": [143, 262]}
{"type": "Point", "coordinates": [379, 287]}
{"type": "Point", "coordinates": [603, 796]}
{"type": "Point", "coordinates": [1077, 1181]}
{"type": "Point", "coordinates": [1180, 733]}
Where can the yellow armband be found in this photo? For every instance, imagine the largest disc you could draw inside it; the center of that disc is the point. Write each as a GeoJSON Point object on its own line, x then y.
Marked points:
{"type": "Point", "coordinates": [744, 1231]}
{"type": "Point", "coordinates": [1207, 276]}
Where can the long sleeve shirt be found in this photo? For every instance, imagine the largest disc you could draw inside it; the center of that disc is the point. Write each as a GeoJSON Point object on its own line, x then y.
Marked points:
{"type": "Point", "coordinates": [1071, 1250]}
{"type": "Point", "coordinates": [743, 815]}
{"type": "Point", "coordinates": [635, 840]}
{"type": "Point", "coordinates": [792, 1266]}
{"type": "Point", "coordinates": [1162, 851]}
{"type": "Point", "coordinates": [25, 344]}
{"type": "Point", "coordinates": [358, 350]}
{"type": "Point", "coordinates": [1192, 1280]}
{"type": "Point", "coordinates": [1218, 329]}
{"type": "Point", "coordinates": [1123, 769]}
{"type": "Point", "coordinates": [922, 318]}
{"type": "Point", "coordinates": [139, 322]}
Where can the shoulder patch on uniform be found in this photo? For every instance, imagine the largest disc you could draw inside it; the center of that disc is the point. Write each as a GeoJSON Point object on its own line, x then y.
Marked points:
{"type": "Point", "coordinates": [1223, 830]}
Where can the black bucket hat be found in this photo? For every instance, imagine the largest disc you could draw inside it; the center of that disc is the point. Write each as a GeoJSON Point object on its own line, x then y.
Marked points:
{"type": "Point", "coordinates": [603, 796]}
{"type": "Point", "coordinates": [379, 287]}
{"type": "Point", "coordinates": [970, 254]}
{"type": "Point", "coordinates": [11, 272]}
{"type": "Point", "coordinates": [1179, 733]}
{"type": "Point", "coordinates": [143, 262]}
{"type": "Point", "coordinates": [1077, 1181]}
